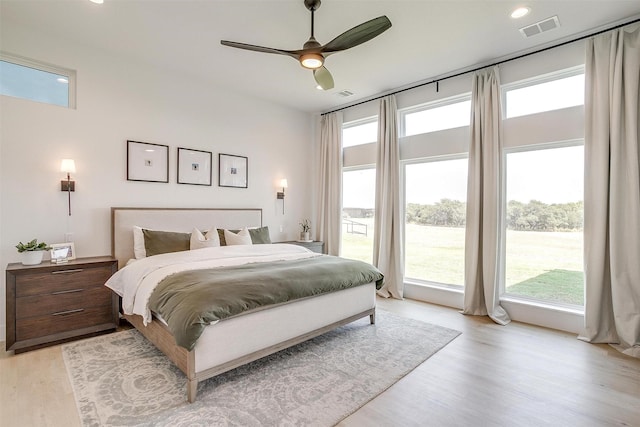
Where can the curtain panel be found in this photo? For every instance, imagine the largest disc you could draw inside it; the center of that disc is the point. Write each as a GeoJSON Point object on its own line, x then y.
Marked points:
{"type": "Point", "coordinates": [329, 215]}
{"type": "Point", "coordinates": [483, 224]}
{"type": "Point", "coordinates": [387, 240]}
{"type": "Point", "coordinates": [612, 196]}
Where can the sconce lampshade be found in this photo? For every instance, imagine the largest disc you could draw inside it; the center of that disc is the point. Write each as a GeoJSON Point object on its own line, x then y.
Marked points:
{"type": "Point", "coordinates": [68, 166]}
{"type": "Point", "coordinates": [283, 183]}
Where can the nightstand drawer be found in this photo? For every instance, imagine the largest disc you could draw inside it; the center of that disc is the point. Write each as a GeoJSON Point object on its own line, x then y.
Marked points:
{"type": "Point", "coordinates": [62, 321]}
{"type": "Point", "coordinates": [61, 280]}
{"type": "Point", "coordinates": [313, 246]}
{"type": "Point", "coordinates": [39, 305]}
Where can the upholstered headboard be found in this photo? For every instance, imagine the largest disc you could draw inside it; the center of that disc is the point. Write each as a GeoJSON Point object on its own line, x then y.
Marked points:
{"type": "Point", "coordinates": [173, 219]}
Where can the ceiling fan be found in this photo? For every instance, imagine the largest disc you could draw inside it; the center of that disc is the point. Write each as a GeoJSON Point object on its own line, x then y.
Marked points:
{"type": "Point", "coordinates": [313, 54]}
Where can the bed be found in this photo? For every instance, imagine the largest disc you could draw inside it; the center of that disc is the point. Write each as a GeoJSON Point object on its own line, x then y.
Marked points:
{"type": "Point", "coordinates": [251, 335]}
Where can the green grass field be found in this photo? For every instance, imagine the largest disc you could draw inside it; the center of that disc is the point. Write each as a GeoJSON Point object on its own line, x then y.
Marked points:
{"type": "Point", "coordinates": [541, 265]}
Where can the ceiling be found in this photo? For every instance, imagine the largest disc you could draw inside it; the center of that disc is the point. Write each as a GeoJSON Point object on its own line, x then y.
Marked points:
{"type": "Point", "coordinates": [428, 39]}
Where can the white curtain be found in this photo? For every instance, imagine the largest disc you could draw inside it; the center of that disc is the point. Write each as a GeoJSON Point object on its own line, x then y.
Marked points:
{"type": "Point", "coordinates": [612, 196]}
{"type": "Point", "coordinates": [329, 215]}
{"type": "Point", "coordinates": [387, 240]}
{"type": "Point", "coordinates": [481, 292]}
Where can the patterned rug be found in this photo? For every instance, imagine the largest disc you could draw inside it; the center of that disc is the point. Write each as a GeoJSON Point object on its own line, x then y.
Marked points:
{"type": "Point", "coordinates": [121, 379]}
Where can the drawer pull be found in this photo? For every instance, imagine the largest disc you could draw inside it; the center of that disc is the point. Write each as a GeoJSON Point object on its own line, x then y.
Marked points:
{"type": "Point", "coordinates": [64, 313]}
{"type": "Point", "coordinates": [77, 270]}
{"type": "Point", "coordinates": [67, 292]}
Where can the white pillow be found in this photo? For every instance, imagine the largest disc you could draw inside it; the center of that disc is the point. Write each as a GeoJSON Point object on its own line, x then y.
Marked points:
{"type": "Point", "coordinates": [242, 238]}
{"type": "Point", "coordinates": [139, 251]}
{"type": "Point", "coordinates": [199, 241]}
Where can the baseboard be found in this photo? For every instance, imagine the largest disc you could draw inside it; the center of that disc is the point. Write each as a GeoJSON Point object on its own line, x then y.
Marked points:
{"type": "Point", "coordinates": [563, 319]}
{"type": "Point", "coordinates": [560, 318]}
{"type": "Point", "coordinates": [447, 297]}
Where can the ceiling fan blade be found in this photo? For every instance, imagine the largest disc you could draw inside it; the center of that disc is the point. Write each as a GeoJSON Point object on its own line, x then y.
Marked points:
{"type": "Point", "coordinates": [358, 35]}
{"type": "Point", "coordinates": [323, 78]}
{"type": "Point", "coordinates": [245, 46]}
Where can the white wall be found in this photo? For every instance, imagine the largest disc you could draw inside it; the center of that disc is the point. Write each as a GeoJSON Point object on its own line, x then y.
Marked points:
{"type": "Point", "coordinates": [118, 99]}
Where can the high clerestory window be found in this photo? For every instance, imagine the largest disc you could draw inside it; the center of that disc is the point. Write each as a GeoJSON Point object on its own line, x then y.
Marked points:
{"type": "Point", "coordinates": [36, 81]}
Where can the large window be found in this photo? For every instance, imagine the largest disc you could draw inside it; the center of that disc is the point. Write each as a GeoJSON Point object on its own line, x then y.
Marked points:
{"type": "Point", "coordinates": [435, 212]}
{"type": "Point", "coordinates": [358, 206]}
{"type": "Point", "coordinates": [22, 78]}
{"type": "Point", "coordinates": [544, 214]}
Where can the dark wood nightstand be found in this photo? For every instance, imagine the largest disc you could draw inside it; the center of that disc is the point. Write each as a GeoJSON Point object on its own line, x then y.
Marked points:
{"type": "Point", "coordinates": [51, 303]}
{"type": "Point", "coordinates": [315, 246]}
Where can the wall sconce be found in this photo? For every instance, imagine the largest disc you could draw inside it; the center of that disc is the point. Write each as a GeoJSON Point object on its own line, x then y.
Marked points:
{"type": "Point", "coordinates": [68, 166]}
{"type": "Point", "coordinates": [280, 194]}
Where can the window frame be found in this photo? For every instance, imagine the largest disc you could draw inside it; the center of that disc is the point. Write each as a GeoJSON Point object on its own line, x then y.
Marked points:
{"type": "Point", "coordinates": [402, 113]}
{"type": "Point", "coordinates": [355, 169]}
{"type": "Point", "coordinates": [502, 236]}
{"type": "Point", "coordinates": [536, 80]}
{"type": "Point", "coordinates": [403, 213]}
{"type": "Point", "coordinates": [356, 123]}
{"type": "Point", "coordinates": [48, 68]}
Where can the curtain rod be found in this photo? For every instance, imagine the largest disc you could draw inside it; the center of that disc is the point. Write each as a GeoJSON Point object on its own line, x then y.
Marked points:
{"type": "Point", "coordinates": [436, 81]}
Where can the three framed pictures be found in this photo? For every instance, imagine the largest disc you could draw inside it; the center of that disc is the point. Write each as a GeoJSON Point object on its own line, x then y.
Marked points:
{"type": "Point", "coordinates": [147, 162]}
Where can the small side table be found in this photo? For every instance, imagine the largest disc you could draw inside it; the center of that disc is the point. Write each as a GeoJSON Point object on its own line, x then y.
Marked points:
{"type": "Point", "coordinates": [315, 246]}
{"type": "Point", "coordinates": [52, 303]}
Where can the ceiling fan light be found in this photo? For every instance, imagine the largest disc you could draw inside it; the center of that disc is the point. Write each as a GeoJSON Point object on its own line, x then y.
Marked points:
{"type": "Point", "coordinates": [520, 12]}
{"type": "Point", "coordinates": [311, 60]}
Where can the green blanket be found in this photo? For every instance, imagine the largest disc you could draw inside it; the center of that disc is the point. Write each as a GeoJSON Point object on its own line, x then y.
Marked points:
{"type": "Point", "coordinates": [190, 300]}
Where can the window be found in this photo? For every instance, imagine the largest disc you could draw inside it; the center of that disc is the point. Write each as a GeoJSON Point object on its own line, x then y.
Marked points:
{"type": "Point", "coordinates": [560, 91]}
{"type": "Point", "coordinates": [435, 212]}
{"type": "Point", "coordinates": [358, 206]}
{"type": "Point", "coordinates": [544, 225]}
{"type": "Point", "coordinates": [434, 117]}
{"type": "Point", "coordinates": [26, 79]}
{"type": "Point", "coordinates": [360, 132]}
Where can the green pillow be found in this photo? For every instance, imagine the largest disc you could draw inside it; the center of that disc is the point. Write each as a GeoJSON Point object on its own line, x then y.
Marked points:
{"type": "Point", "coordinates": [259, 236]}
{"type": "Point", "coordinates": [161, 242]}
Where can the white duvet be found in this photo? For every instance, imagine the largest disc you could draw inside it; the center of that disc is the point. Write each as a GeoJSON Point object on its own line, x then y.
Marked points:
{"type": "Point", "coordinates": [136, 281]}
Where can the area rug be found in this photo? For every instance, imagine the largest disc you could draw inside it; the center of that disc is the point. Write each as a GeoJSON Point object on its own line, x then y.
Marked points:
{"type": "Point", "coordinates": [121, 379]}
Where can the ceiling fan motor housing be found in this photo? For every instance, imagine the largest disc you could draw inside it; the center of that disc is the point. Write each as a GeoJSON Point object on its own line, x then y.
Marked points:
{"type": "Point", "coordinates": [312, 4]}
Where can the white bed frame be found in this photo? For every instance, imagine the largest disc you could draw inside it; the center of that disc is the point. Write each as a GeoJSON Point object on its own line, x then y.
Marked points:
{"type": "Point", "coordinates": [247, 337]}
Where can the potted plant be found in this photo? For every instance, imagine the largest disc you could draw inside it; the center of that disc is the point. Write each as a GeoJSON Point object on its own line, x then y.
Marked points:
{"type": "Point", "coordinates": [32, 252]}
{"type": "Point", "coordinates": [305, 226]}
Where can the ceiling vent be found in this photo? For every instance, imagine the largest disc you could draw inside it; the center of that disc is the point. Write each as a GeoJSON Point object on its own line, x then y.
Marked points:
{"type": "Point", "coordinates": [345, 93]}
{"type": "Point", "coordinates": [540, 27]}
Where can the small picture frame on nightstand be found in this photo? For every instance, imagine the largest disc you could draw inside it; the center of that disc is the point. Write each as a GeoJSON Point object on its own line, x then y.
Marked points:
{"type": "Point", "coordinates": [62, 252]}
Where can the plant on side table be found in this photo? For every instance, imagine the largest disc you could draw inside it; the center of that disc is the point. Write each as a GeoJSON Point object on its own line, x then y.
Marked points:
{"type": "Point", "coordinates": [32, 252]}
{"type": "Point", "coordinates": [305, 225]}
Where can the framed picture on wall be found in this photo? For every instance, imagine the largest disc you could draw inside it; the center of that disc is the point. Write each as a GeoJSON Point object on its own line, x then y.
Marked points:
{"type": "Point", "coordinates": [233, 171]}
{"type": "Point", "coordinates": [147, 162]}
{"type": "Point", "coordinates": [194, 166]}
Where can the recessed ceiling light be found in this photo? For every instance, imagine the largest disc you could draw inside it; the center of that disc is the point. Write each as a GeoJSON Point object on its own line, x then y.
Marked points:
{"type": "Point", "coordinates": [520, 12]}
{"type": "Point", "coordinates": [97, 1]}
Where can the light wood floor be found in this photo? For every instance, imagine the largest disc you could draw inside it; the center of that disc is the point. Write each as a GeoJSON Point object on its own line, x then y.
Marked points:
{"type": "Point", "coordinates": [491, 375]}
